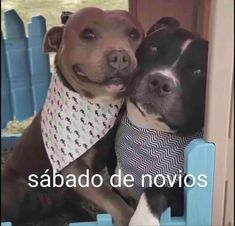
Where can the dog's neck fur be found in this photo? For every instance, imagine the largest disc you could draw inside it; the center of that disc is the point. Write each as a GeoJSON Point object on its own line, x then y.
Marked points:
{"type": "Point", "coordinates": [148, 121]}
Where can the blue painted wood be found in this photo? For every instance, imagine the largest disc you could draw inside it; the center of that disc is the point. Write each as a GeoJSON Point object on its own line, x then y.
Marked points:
{"type": "Point", "coordinates": [18, 66]}
{"type": "Point", "coordinates": [6, 112]}
{"type": "Point", "coordinates": [6, 224]}
{"type": "Point", "coordinates": [39, 62]}
{"type": "Point", "coordinates": [25, 71]}
{"type": "Point", "coordinates": [102, 220]}
{"type": "Point", "coordinates": [8, 143]}
{"type": "Point", "coordinates": [199, 159]}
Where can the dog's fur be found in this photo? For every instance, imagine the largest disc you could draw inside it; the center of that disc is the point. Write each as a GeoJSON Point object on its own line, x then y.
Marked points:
{"type": "Point", "coordinates": [167, 94]}
{"type": "Point", "coordinates": [86, 51]}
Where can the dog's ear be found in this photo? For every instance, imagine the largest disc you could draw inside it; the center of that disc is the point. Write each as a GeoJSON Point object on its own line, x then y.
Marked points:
{"type": "Point", "coordinates": [52, 39]}
{"type": "Point", "coordinates": [65, 16]}
{"type": "Point", "coordinates": [163, 22]}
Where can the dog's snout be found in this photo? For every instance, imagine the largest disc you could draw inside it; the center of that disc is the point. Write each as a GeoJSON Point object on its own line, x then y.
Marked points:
{"type": "Point", "coordinates": [161, 84]}
{"type": "Point", "coordinates": [118, 59]}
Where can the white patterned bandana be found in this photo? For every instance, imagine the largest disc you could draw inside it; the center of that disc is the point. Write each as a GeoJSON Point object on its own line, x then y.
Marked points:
{"type": "Point", "coordinates": [71, 124]}
{"type": "Point", "coordinates": [147, 151]}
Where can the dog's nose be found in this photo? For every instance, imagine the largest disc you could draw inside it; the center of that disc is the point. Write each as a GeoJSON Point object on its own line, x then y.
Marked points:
{"type": "Point", "coordinates": [161, 84]}
{"type": "Point", "coordinates": [118, 59]}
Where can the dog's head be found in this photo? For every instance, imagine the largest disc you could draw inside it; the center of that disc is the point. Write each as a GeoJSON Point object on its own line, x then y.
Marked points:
{"type": "Point", "coordinates": [169, 90]}
{"type": "Point", "coordinates": [95, 50]}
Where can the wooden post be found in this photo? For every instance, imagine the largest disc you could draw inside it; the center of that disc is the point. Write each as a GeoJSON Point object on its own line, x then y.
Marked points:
{"type": "Point", "coordinates": [6, 112]}
{"type": "Point", "coordinates": [18, 66]}
{"type": "Point", "coordinates": [219, 93]}
{"type": "Point", "coordinates": [39, 62]}
{"type": "Point", "coordinates": [199, 160]}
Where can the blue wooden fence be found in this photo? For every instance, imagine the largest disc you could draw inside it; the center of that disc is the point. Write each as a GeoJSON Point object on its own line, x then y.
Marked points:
{"type": "Point", "coordinates": [102, 220]}
{"type": "Point", "coordinates": [199, 159]}
{"type": "Point", "coordinates": [25, 76]}
{"type": "Point", "coordinates": [25, 70]}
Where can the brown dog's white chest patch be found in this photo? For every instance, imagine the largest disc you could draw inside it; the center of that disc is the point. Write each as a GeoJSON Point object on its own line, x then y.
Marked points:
{"type": "Point", "coordinates": [71, 124]}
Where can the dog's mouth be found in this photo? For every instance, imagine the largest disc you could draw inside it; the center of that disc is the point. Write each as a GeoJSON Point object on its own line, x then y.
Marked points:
{"type": "Point", "coordinates": [114, 84]}
{"type": "Point", "coordinates": [81, 76]}
{"type": "Point", "coordinates": [137, 106]}
{"type": "Point", "coordinates": [145, 108]}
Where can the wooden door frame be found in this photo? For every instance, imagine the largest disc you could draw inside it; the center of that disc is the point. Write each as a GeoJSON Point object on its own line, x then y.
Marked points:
{"type": "Point", "coordinates": [133, 7]}
{"type": "Point", "coordinates": [219, 109]}
{"type": "Point", "coordinates": [201, 15]}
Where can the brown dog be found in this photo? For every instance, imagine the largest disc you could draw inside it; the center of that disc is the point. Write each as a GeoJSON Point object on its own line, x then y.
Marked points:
{"type": "Point", "coordinates": [95, 55]}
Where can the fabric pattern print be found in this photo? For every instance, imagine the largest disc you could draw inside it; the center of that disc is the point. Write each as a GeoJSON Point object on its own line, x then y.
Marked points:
{"type": "Point", "coordinates": [147, 151]}
{"type": "Point", "coordinates": [71, 124]}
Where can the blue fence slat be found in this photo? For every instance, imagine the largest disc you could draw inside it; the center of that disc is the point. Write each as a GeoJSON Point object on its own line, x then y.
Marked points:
{"type": "Point", "coordinates": [102, 220]}
{"type": "Point", "coordinates": [199, 159]}
{"type": "Point", "coordinates": [6, 112]}
{"type": "Point", "coordinates": [6, 224]}
{"type": "Point", "coordinates": [39, 62]}
{"type": "Point", "coordinates": [18, 66]}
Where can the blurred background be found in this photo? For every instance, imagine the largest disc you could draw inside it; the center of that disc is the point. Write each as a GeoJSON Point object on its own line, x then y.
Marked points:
{"type": "Point", "coordinates": [51, 10]}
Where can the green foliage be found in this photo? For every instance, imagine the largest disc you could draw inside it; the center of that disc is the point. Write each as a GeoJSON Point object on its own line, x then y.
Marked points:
{"type": "Point", "coordinates": [51, 10]}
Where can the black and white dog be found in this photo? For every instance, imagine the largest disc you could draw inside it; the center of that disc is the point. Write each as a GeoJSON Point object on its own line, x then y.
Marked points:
{"type": "Point", "coordinates": [165, 111]}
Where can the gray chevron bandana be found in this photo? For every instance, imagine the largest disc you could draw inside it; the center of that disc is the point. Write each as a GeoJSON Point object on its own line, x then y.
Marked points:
{"type": "Point", "coordinates": [71, 124]}
{"type": "Point", "coordinates": [147, 151]}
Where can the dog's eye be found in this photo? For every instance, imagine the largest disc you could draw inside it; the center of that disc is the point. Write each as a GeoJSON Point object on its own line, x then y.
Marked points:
{"type": "Point", "coordinates": [87, 34]}
{"type": "Point", "coordinates": [197, 72]}
{"type": "Point", "coordinates": [134, 34]}
{"type": "Point", "coordinates": [153, 49]}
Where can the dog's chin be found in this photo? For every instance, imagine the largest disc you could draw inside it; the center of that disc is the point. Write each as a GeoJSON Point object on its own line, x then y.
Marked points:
{"type": "Point", "coordinates": [147, 109]}
{"type": "Point", "coordinates": [115, 85]}
{"type": "Point", "coordinates": [151, 120]}
{"type": "Point", "coordinates": [144, 108]}
{"type": "Point", "coordinates": [115, 89]}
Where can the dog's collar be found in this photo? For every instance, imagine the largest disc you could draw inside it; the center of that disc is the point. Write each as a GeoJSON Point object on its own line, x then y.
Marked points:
{"type": "Point", "coordinates": [143, 151]}
{"type": "Point", "coordinates": [71, 124]}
